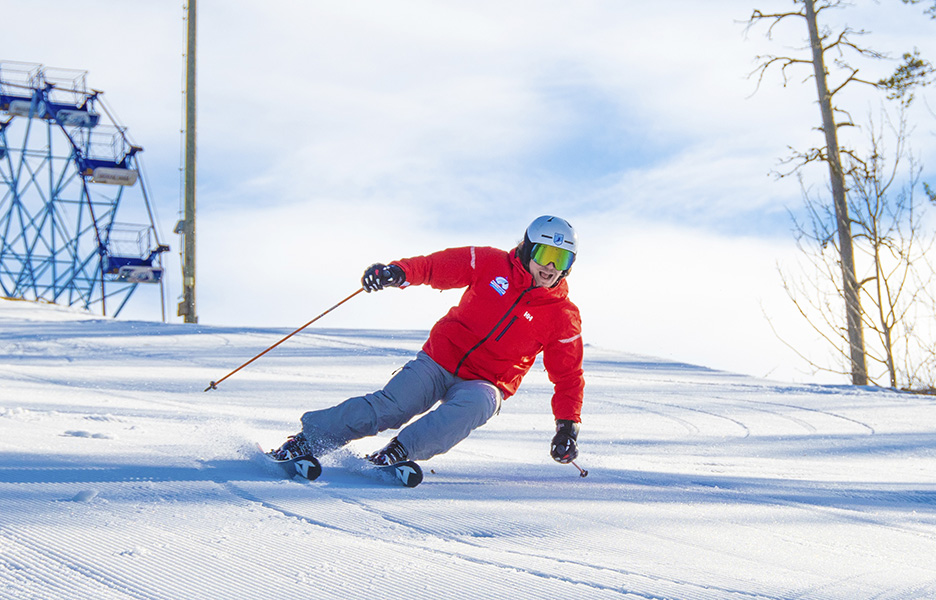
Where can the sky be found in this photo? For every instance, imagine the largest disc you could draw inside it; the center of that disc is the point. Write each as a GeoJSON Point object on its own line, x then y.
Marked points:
{"type": "Point", "coordinates": [334, 135]}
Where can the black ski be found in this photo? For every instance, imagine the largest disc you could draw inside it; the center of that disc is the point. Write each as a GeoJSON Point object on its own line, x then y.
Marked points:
{"type": "Point", "coordinates": [407, 473]}
{"type": "Point", "coordinates": [307, 467]}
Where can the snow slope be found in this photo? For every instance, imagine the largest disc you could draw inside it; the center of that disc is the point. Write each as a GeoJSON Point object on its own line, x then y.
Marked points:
{"type": "Point", "coordinates": [121, 479]}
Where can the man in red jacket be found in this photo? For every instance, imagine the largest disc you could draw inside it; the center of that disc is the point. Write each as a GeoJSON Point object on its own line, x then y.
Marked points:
{"type": "Point", "coordinates": [515, 306]}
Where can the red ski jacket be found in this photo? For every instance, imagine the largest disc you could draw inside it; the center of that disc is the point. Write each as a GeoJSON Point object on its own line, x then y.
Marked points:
{"type": "Point", "coordinates": [502, 322]}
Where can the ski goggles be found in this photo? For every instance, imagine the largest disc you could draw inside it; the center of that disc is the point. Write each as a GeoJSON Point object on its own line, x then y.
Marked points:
{"type": "Point", "coordinates": [543, 254]}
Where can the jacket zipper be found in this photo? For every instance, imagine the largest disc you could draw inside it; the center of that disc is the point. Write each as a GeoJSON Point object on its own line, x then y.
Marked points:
{"type": "Point", "coordinates": [490, 333]}
{"type": "Point", "coordinates": [501, 334]}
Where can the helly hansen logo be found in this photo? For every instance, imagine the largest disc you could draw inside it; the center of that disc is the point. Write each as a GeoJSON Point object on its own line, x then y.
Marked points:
{"type": "Point", "coordinates": [500, 285]}
{"type": "Point", "coordinates": [527, 316]}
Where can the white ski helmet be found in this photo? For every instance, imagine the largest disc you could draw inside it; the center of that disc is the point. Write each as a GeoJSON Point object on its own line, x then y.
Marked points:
{"type": "Point", "coordinates": [546, 233]}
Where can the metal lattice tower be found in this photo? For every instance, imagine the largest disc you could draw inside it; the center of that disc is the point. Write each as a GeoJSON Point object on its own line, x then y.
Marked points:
{"type": "Point", "coordinates": [66, 167]}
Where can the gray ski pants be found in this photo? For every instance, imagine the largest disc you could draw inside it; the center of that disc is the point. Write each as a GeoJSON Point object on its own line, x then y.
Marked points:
{"type": "Point", "coordinates": [464, 406]}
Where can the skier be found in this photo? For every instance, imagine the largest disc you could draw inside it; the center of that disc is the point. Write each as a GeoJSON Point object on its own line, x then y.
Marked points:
{"type": "Point", "coordinates": [515, 306]}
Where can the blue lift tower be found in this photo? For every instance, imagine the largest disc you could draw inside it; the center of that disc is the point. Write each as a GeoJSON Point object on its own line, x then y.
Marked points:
{"type": "Point", "coordinates": [66, 167]}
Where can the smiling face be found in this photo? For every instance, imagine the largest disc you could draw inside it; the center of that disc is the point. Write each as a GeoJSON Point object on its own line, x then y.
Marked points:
{"type": "Point", "coordinates": [546, 277]}
{"type": "Point", "coordinates": [548, 262]}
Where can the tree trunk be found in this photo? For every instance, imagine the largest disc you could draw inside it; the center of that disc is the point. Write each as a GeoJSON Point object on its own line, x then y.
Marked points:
{"type": "Point", "coordinates": [837, 177]}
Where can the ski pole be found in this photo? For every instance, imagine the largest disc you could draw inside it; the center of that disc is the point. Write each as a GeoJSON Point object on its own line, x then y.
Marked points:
{"type": "Point", "coordinates": [582, 472]}
{"type": "Point", "coordinates": [214, 384]}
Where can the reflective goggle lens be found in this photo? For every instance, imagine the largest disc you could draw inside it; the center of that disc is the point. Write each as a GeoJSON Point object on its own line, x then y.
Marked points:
{"type": "Point", "coordinates": [543, 255]}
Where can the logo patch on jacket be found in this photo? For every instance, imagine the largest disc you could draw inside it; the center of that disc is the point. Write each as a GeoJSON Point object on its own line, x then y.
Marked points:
{"type": "Point", "coordinates": [500, 285]}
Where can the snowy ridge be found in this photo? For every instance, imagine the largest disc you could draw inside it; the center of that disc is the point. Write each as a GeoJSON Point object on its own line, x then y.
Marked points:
{"type": "Point", "coordinates": [120, 478]}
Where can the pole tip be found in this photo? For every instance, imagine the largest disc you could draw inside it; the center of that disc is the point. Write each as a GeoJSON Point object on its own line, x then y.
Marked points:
{"type": "Point", "coordinates": [212, 386]}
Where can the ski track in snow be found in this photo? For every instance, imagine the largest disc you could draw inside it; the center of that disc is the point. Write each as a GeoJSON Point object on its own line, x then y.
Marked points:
{"type": "Point", "coordinates": [121, 479]}
{"type": "Point", "coordinates": [450, 542]}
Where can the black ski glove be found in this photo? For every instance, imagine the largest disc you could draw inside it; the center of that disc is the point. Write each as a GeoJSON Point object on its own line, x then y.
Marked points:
{"type": "Point", "coordinates": [563, 448]}
{"type": "Point", "coordinates": [378, 276]}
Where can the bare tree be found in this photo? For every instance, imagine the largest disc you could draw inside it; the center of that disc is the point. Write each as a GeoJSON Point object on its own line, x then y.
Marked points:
{"type": "Point", "coordinates": [896, 277]}
{"type": "Point", "coordinates": [889, 229]}
{"type": "Point", "coordinates": [820, 43]}
{"type": "Point", "coordinates": [841, 51]}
